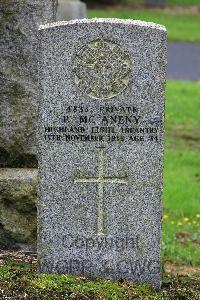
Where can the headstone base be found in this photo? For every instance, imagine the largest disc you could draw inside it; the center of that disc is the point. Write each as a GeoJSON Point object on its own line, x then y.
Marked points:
{"type": "Point", "coordinates": [18, 196]}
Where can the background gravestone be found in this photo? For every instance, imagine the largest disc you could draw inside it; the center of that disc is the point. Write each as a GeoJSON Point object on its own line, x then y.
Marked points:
{"type": "Point", "coordinates": [19, 100]}
{"type": "Point", "coordinates": [70, 9]}
{"type": "Point", "coordinates": [152, 3]}
{"type": "Point", "coordinates": [100, 136]}
{"type": "Point", "coordinates": [20, 20]}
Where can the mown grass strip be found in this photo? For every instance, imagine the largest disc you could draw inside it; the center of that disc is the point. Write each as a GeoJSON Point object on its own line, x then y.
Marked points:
{"type": "Point", "coordinates": [180, 27]}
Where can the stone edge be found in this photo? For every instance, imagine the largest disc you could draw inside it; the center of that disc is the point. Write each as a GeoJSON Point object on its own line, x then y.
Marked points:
{"type": "Point", "coordinates": [105, 21]}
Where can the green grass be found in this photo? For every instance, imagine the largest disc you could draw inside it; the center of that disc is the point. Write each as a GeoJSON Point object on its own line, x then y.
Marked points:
{"type": "Point", "coordinates": [181, 229]}
{"type": "Point", "coordinates": [167, 2]}
{"type": "Point", "coordinates": [180, 27]}
{"type": "Point", "coordinates": [182, 2]}
{"type": "Point", "coordinates": [182, 105]}
{"type": "Point", "coordinates": [21, 281]}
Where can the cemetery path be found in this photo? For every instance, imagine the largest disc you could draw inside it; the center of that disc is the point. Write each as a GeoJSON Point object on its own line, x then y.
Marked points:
{"type": "Point", "coordinates": [183, 61]}
{"type": "Point", "coordinates": [181, 269]}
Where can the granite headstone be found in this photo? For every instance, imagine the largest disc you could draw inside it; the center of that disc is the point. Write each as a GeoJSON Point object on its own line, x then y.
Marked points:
{"type": "Point", "coordinates": [19, 78]}
{"type": "Point", "coordinates": [100, 132]}
{"type": "Point", "coordinates": [18, 112]}
{"type": "Point", "coordinates": [70, 9]}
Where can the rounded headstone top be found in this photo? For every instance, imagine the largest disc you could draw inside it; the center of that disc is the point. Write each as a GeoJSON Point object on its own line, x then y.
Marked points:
{"type": "Point", "coordinates": [105, 21]}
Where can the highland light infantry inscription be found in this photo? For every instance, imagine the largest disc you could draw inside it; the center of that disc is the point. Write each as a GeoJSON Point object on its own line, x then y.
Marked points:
{"type": "Point", "coordinates": [100, 134]}
{"type": "Point", "coordinates": [109, 123]}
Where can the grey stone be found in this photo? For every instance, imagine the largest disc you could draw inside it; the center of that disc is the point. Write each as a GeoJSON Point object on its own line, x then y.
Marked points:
{"type": "Point", "coordinates": [19, 78]}
{"type": "Point", "coordinates": [70, 9]}
{"type": "Point", "coordinates": [18, 196]}
{"type": "Point", "coordinates": [160, 3]}
{"type": "Point", "coordinates": [100, 133]}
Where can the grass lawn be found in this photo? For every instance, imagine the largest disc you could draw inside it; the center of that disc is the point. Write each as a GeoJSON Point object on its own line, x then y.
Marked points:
{"type": "Point", "coordinates": [182, 2]}
{"type": "Point", "coordinates": [167, 2]}
{"type": "Point", "coordinates": [21, 281]}
{"type": "Point", "coordinates": [180, 27]}
{"type": "Point", "coordinates": [181, 223]}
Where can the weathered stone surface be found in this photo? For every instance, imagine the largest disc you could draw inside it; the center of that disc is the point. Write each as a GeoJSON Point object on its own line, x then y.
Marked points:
{"type": "Point", "coordinates": [101, 148]}
{"type": "Point", "coordinates": [70, 9]}
{"type": "Point", "coordinates": [18, 196]}
{"type": "Point", "coordinates": [19, 78]}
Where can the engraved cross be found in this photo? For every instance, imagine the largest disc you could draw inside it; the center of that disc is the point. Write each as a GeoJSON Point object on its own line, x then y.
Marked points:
{"type": "Point", "coordinates": [101, 180]}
